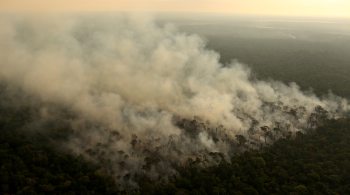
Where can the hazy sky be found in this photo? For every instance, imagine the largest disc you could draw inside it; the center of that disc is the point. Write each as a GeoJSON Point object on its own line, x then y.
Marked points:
{"type": "Point", "coordinates": [270, 7]}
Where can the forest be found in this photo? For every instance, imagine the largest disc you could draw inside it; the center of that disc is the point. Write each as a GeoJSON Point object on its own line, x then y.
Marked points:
{"type": "Point", "coordinates": [312, 163]}
{"type": "Point", "coordinates": [118, 104]}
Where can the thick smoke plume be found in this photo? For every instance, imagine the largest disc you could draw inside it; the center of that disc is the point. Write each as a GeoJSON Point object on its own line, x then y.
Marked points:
{"type": "Point", "coordinates": [146, 98]}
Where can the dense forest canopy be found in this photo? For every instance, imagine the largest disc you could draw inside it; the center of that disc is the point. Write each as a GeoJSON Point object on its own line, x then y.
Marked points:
{"type": "Point", "coordinates": [312, 163]}
{"type": "Point", "coordinates": [108, 104]}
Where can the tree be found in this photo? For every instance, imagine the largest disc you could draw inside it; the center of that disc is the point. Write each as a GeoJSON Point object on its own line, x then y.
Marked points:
{"type": "Point", "coordinates": [241, 140]}
{"type": "Point", "coordinates": [266, 131]}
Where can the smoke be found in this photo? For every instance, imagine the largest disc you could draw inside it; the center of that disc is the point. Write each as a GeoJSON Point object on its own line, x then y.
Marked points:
{"type": "Point", "coordinates": [147, 98]}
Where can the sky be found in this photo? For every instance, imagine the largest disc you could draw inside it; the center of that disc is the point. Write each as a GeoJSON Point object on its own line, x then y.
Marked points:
{"type": "Point", "coordinates": [331, 8]}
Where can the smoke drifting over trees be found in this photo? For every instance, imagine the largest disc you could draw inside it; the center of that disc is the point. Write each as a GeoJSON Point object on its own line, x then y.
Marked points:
{"type": "Point", "coordinates": [143, 99]}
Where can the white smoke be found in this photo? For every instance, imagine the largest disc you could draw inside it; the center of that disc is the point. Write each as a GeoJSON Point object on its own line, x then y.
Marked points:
{"type": "Point", "coordinates": [147, 97]}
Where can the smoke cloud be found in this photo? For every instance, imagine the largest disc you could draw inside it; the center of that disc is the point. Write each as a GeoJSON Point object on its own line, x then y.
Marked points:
{"type": "Point", "coordinates": [147, 98]}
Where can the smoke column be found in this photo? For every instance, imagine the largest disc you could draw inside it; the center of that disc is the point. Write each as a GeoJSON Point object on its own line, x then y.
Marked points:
{"type": "Point", "coordinates": [147, 98]}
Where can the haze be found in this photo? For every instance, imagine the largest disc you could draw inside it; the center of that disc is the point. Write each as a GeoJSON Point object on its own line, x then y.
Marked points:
{"type": "Point", "coordinates": [329, 8]}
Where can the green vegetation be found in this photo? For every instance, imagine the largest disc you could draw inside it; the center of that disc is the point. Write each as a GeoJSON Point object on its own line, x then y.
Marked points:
{"type": "Point", "coordinates": [30, 166]}
{"type": "Point", "coordinates": [314, 163]}
{"type": "Point", "coordinates": [311, 53]}
{"type": "Point", "coordinates": [31, 163]}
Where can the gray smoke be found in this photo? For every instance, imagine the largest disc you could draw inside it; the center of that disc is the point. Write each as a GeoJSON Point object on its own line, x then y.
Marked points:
{"type": "Point", "coordinates": [147, 98]}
